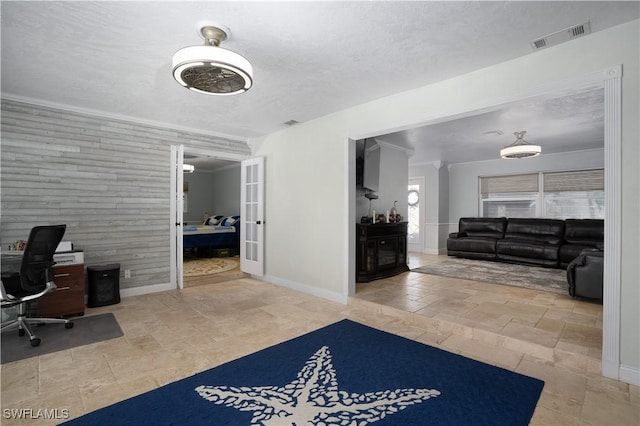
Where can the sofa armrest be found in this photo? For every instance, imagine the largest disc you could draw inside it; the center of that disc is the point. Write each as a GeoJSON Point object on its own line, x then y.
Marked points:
{"type": "Point", "coordinates": [584, 274]}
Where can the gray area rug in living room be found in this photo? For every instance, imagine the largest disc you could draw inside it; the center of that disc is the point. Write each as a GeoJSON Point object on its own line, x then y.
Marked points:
{"type": "Point", "coordinates": [532, 277]}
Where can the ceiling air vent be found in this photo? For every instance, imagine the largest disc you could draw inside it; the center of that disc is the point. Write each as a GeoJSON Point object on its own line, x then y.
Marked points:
{"type": "Point", "coordinates": [539, 44]}
{"type": "Point", "coordinates": [562, 36]}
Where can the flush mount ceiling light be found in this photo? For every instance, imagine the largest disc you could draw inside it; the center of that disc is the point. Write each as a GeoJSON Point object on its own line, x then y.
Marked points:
{"type": "Point", "coordinates": [211, 69]}
{"type": "Point", "coordinates": [188, 168]}
{"type": "Point", "coordinates": [520, 148]}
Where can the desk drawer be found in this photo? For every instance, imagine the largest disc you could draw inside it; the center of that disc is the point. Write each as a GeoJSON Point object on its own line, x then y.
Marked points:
{"type": "Point", "coordinates": [68, 297]}
{"type": "Point", "coordinates": [69, 276]}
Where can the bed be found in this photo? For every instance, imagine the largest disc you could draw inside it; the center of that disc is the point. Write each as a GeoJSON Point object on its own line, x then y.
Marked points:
{"type": "Point", "coordinates": [222, 232]}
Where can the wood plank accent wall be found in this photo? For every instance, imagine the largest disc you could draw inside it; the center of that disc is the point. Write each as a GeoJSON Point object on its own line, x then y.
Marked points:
{"type": "Point", "coordinates": [108, 180]}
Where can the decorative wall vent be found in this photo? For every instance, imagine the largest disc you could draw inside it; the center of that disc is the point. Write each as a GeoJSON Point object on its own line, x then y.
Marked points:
{"type": "Point", "coordinates": [562, 36]}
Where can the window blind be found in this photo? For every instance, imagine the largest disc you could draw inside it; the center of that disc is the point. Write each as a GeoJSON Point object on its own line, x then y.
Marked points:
{"type": "Point", "coordinates": [583, 180]}
{"type": "Point", "coordinates": [509, 184]}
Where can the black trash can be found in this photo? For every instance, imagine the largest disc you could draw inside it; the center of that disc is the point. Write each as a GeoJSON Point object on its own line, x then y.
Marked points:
{"type": "Point", "coordinates": [104, 285]}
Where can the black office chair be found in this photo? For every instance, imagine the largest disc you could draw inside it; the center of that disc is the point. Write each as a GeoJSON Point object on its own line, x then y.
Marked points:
{"type": "Point", "coordinates": [34, 280]}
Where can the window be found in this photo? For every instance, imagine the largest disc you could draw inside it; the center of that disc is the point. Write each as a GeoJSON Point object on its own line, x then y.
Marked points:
{"type": "Point", "coordinates": [557, 195]}
{"type": "Point", "coordinates": [504, 207]}
{"type": "Point", "coordinates": [509, 196]}
{"type": "Point", "coordinates": [578, 195]}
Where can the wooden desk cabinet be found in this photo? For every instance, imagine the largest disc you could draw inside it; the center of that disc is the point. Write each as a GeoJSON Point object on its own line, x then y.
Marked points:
{"type": "Point", "coordinates": [68, 298]}
{"type": "Point", "coordinates": [381, 251]}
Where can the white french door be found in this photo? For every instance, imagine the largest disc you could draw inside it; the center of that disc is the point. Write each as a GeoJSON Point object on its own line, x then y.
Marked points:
{"type": "Point", "coordinates": [252, 216]}
{"type": "Point", "coordinates": [177, 212]}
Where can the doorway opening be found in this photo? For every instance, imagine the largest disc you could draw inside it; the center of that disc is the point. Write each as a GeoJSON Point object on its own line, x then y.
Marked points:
{"type": "Point", "coordinates": [610, 81]}
{"type": "Point", "coordinates": [205, 245]}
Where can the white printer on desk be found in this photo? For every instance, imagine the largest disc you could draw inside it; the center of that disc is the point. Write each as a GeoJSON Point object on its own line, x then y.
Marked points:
{"type": "Point", "coordinates": [65, 255]}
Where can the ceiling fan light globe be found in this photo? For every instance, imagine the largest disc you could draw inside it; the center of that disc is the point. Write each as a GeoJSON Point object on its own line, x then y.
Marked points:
{"type": "Point", "coordinates": [520, 151]}
{"type": "Point", "coordinates": [212, 70]}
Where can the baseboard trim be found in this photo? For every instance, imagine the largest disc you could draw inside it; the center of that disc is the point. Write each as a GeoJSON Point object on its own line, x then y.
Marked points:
{"type": "Point", "coordinates": [147, 289]}
{"type": "Point", "coordinates": [303, 288]}
{"type": "Point", "coordinates": [629, 374]}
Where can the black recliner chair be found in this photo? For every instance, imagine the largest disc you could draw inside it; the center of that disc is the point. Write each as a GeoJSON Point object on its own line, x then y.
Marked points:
{"type": "Point", "coordinates": [585, 274]}
{"type": "Point", "coordinates": [34, 280]}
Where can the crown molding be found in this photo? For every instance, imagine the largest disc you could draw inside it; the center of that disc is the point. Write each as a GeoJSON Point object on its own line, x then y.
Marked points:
{"type": "Point", "coordinates": [121, 117]}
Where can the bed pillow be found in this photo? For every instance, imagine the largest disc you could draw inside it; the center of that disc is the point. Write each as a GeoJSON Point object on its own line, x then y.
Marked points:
{"type": "Point", "coordinates": [230, 220]}
{"type": "Point", "coordinates": [214, 220]}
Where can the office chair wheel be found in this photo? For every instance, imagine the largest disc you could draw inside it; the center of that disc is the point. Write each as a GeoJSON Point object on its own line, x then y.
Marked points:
{"type": "Point", "coordinates": [20, 332]}
{"type": "Point", "coordinates": [35, 342]}
{"type": "Point", "coordinates": [68, 325]}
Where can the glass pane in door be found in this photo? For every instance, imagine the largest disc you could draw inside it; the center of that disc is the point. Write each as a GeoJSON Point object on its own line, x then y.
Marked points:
{"type": "Point", "coordinates": [413, 231]}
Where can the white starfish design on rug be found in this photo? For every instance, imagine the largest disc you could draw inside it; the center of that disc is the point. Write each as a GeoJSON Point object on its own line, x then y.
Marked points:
{"type": "Point", "coordinates": [313, 398]}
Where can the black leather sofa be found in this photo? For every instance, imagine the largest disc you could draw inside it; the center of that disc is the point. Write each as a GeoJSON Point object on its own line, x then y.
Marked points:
{"type": "Point", "coordinates": [550, 243]}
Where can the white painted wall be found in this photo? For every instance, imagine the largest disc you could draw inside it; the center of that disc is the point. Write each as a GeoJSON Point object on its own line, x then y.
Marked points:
{"type": "Point", "coordinates": [308, 169]}
{"type": "Point", "coordinates": [199, 198]}
{"type": "Point", "coordinates": [225, 191]}
{"type": "Point", "coordinates": [304, 208]}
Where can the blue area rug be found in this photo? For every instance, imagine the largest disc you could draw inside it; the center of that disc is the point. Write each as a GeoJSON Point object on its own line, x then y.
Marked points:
{"type": "Point", "coordinates": [342, 374]}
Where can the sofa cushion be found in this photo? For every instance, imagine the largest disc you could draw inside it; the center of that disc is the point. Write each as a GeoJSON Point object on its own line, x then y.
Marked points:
{"type": "Point", "coordinates": [484, 227]}
{"type": "Point", "coordinates": [472, 244]}
{"type": "Point", "coordinates": [546, 231]}
{"type": "Point", "coordinates": [527, 249]}
{"type": "Point", "coordinates": [586, 232]}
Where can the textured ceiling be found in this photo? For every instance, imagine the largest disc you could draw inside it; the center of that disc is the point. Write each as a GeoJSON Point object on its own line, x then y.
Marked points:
{"type": "Point", "coordinates": [310, 58]}
{"type": "Point", "coordinates": [558, 124]}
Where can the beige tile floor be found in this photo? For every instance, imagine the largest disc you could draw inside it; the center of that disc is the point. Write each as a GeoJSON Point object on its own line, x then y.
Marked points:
{"type": "Point", "coordinates": [174, 334]}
